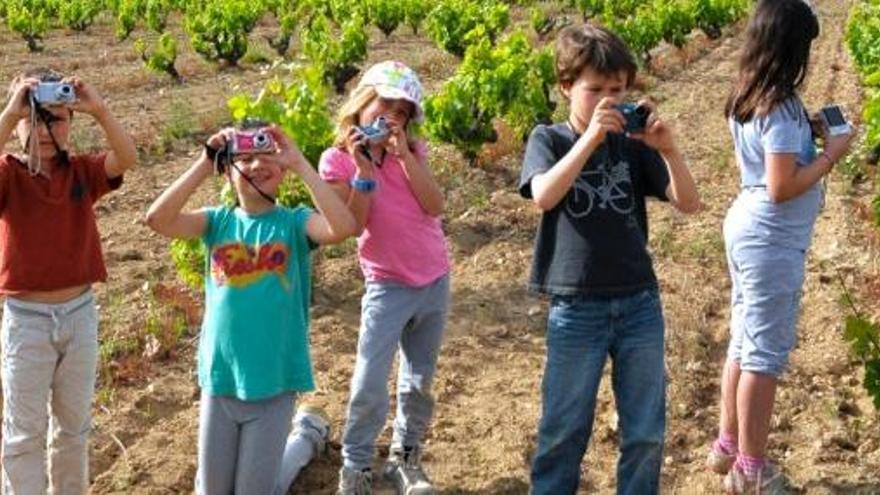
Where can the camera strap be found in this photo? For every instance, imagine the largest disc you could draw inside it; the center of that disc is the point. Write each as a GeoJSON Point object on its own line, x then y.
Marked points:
{"type": "Point", "coordinates": [38, 115]}
{"type": "Point", "coordinates": [224, 157]}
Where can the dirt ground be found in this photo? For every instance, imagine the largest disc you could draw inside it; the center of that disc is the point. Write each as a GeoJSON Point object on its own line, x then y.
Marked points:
{"type": "Point", "coordinates": [826, 432]}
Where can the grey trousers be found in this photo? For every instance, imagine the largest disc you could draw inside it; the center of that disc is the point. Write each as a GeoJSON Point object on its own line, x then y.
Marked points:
{"type": "Point", "coordinates": [394, 319]}
{"type": "Point", "coordinates": [50, 357]}
{"type": "Point", "coordinates": [241, 444]}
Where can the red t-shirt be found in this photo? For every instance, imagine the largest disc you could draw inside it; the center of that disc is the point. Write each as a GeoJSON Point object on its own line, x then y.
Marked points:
{"type": "Point", "coordinates": [48, 234]}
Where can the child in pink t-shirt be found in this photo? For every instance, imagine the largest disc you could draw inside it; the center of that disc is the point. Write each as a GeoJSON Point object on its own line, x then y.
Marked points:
{"type": "Point", "coordinates": [389, 188]}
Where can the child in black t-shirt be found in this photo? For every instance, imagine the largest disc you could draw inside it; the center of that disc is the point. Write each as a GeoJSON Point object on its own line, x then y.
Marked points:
{"type": "Point", "coordinates": [590, 176]}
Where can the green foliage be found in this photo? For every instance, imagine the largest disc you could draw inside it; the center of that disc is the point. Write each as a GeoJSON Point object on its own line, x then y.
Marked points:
{"type": "Point", "coordinates": [675, 20]}
{"type": "Point", "coordinates": [30, 19]}
{"type": "Point", "coordinates": [540, 21]}
{"type": "Point", "coordinates": [335, 54]}
{"type": "Point", "coordinates": [219, 29]}
{"type": "Point", "coordinates": [863, 37]}
{"type": "Point", "coordinates": [415, 12]}
{"type": "Point", "coordinates": [511, 81]}
{"type": "Point", "coordinates": [79, 14]}
{"type": "Point", "coordinates": [289, 14]}
{"type": "Point", "coordinates": [162, 57]}
{"type": "Point", "coordinates": [156, 14]}
{"type": "Point", "coordinates": [387, 15]}
{"type": "Point", "coordinates": [127, 14]}
{"type": "Point", "coordinates": [640, 32]}
{"type": "Point", "coordinates": [299, 107]}
{"type": "Point", "coordinates": [863, 337]}
{"type": "Point", "coordinates": [189, 259]}
{"type": "Point", "coordinates": [712, 15]}
{"type": "Point", "coordinates": [455, 24]}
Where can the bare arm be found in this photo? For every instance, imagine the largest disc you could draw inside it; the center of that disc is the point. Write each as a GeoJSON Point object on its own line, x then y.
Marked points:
{"type": "Point", "coordinates": [419, 175]}
{"type": "Point", "coordinates": [786, 180]}
{"type": "Point", "coordinates": [549, 188]}
{"type": "Point", "coordinates": [682, 190]}
{"type": "Point", "coordinates": [122, 155]}
{"type": "Point", "coordinates": [165, 215]}
{"type": "Point", "coordinates": [333, 223]}
{"type": "Point", "coordinates": [16, 108]}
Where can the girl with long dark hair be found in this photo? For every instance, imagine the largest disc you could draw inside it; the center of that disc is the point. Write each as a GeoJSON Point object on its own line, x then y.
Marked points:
{"type": "Point", "coordinates": [767, 232]}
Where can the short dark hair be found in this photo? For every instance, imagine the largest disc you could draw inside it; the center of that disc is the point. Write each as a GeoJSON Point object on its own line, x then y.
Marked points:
{"type": "Point", "coordinates": [43, 74]}
{"type": "Point", "coordinates": [589, 45]}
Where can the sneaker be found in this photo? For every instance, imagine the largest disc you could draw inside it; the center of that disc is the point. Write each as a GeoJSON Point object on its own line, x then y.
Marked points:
{"type": "Point", "coordinates": [719, 461]}
{"type": "Point", "coordinates": [770, 481]}
{"type": "Point", "coordinates": [354, 482]}
{"type": "Point", "coordinates": [404, 469]}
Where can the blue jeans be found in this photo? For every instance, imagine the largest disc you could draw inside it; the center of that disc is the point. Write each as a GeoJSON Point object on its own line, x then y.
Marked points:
{"type": "Point", "coordinates": [581, 333]}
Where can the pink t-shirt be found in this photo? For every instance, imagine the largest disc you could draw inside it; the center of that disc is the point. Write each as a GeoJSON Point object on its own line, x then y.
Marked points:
{"type": "Point", "coordinates": [400, 241]}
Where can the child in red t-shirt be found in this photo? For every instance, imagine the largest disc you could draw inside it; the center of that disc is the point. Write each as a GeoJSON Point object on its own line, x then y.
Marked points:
{"type": "Point", "coordinates": [50, 255]}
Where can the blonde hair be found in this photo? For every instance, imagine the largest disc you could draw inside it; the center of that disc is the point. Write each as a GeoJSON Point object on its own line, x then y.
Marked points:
{"type": "Point", "coordinates": [350, 112]}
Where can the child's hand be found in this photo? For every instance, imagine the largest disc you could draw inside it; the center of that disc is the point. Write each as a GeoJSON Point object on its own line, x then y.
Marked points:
{"type": "Point", "coordinates": [288, 155]}
{"type": "Point", "coordinates": [398, 143]}
{"type": "Point", "coordinates": [838, 146]}
{"type": "Point", "coordinates": [218, 141]}
{"type": "Point", "coordinates": [657, 133]}
{"type": "Point", "coordinates": [19, 104]}
{"type": "Point", "coordinates": [356, 144]}
{"type": "Point", "coordinates": [605, 119]}
{"type": "Point", "coordinates": [87, 98]}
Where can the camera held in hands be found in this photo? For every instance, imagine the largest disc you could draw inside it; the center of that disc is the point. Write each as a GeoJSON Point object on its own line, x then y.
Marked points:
{"type": "Point", "coordinates": [54, 93]}
{"type": "Point", "coordinates": [251, 142]}
{"type": "Point", "coordinates": [636, 116]}
{"type": "Point", "coordinates": [376, 130]}
{"type": "Point", "coordinates": [834, 121]}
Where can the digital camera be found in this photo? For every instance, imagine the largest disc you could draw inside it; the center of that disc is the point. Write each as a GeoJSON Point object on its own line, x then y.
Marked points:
{"type": "Point", "coordinates": [636, 116]}
{"type": "Point", "coordinates": [834, 120]}
{"type": "Point", "coordinates": [249, 142]}
{"type": "Point", "coordinates": [54, 93]}
{"type": "Point", "coordinates": [376, 130]}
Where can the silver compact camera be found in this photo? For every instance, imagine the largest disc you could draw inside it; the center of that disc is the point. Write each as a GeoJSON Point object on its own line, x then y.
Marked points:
{"type": "Point", "coordinates": [54, 93]}
{"type": "Point", "coordinates": [376, 130]}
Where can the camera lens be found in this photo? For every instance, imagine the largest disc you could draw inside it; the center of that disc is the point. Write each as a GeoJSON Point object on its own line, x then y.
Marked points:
{"type": "Point", "coordinates": [642, 111]}
{"type": "Point", "coordinates": [65, 89]}
{"type": "Point", "coordinates": [261, 140]}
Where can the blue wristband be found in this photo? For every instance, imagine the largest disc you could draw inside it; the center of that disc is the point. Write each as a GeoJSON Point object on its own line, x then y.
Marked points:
{"type": "Point", "coordinates": [363, 185]}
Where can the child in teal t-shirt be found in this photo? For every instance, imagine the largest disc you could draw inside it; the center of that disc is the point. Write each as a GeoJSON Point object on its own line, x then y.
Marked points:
{"type": "Point", "coordinates": [254, 348]}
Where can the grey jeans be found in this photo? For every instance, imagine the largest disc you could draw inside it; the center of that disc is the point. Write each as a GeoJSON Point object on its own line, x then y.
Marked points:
{"type": "Point", "coordinates": [241, 444]}
{"type": "Point", "coordinates": [394, 318]}
{"type": "Point", "coordinates": [50, 356]}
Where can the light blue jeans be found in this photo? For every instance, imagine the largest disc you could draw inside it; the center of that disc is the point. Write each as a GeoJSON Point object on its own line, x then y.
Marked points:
{"type": "Point", "coordinates": [395, 319]}
{"type": "Point", "coordinates": [581, 334]}
{"type": "Point", "coordinates": [50, 358]}
{"type": "Point", "coordinates": [766, 281]}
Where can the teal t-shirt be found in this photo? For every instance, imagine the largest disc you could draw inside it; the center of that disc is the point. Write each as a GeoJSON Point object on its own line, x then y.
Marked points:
{"type": "Point", "coordinates": [255, 333]}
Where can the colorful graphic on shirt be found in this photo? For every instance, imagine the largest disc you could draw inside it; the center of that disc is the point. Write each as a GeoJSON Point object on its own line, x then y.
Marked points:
{"type": "Point", "coordinates": [240, 265]}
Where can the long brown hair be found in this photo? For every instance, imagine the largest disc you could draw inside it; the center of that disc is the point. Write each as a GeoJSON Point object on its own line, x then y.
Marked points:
{"type": "Point", "coordinates": [775, 57]}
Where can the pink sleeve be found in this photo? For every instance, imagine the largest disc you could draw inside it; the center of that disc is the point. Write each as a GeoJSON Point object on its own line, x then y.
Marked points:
{"type": "Point", "coordinates": [336, 165]}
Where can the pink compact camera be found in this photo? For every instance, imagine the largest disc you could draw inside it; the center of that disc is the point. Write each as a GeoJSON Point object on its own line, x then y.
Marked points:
{"type": "Point", "coordinates": [250, 142]}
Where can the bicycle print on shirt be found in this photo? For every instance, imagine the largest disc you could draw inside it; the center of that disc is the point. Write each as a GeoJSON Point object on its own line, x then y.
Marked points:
{"type": "Point", "coordinates": [607, 186]}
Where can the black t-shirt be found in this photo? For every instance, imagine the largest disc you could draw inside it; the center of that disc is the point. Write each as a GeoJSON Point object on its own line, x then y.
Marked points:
{"type": "Point", "coordinates": [594, 242]}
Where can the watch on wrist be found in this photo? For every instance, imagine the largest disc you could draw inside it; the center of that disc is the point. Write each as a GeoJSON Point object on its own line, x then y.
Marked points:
{"type": "Point", "coordinates": [363, 185]}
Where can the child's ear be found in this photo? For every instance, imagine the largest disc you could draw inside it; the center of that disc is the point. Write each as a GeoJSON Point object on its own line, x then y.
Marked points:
{"type": "Point", "coordinates": [565, 88]}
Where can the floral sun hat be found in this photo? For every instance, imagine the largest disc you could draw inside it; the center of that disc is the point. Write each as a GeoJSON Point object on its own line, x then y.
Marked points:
{"type": "Point", "coordinates": [394, 80]}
